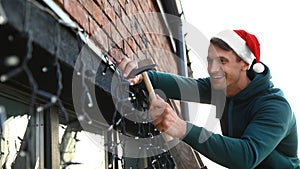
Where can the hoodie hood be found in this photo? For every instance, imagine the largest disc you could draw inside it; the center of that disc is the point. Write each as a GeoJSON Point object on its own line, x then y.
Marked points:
{"type": "Point", "coordinates": [260, 82]}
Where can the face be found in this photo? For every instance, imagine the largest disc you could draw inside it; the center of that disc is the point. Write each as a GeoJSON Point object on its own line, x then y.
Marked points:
{"type": "Point", "coordinates": [225, 69]}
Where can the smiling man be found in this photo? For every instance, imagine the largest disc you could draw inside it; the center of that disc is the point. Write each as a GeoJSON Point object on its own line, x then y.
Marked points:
{"type": "Point", "coordinates": [258, 126]}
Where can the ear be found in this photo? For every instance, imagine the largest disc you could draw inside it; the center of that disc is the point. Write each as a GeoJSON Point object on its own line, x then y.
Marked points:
{"type": "Point", "coordinates": [244, 65]}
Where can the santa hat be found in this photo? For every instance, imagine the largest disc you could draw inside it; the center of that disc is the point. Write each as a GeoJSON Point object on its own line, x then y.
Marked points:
{"type": "Point", "coordinates": [245, 45]}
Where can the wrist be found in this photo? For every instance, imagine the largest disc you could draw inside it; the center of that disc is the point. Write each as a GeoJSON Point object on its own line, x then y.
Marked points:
{"type": "Point", "coordinates": [182, 128]}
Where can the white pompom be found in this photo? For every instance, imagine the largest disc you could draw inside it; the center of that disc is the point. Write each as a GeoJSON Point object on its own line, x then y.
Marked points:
{"type": "Point", "coordinates": [258, 67]}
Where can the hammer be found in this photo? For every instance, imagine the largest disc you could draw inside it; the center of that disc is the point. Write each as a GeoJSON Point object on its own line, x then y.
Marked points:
{"type": "Point", "coordinates": [143, 66]}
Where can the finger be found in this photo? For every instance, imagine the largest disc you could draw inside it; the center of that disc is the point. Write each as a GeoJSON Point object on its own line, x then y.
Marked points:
{"type": "Point", "coordinates": [122, 63]}
{"type": "Point", "coordinates": [126, 65]}
{"type": "Point", "coordinates": [158, 103]}
{"type": "Point", "coordinates": [131, 65]}
{"type": "Point", "coordinates": [119, 60]}
{"type": "Point", "coordinates": [136, 80]}
{"type": "Point", "coordinates": [156, 113]}
{"type": "Point", "coordinates": [159, 98]}
{"type": "Point", "coordinates": [162, 125]}
{"type": "Point", "coordinates": [157, 121]}
{"type": "Point", "coordinates": [160, 128]}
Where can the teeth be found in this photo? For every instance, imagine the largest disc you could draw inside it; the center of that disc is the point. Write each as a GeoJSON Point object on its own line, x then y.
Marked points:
{"type": "Point", "coordinates": [217, 77]}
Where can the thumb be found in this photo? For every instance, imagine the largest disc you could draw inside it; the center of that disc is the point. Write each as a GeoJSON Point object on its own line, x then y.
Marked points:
{"type": "Point", "coordinates": [157, 102]}
{"type": "Point", "coordinates": [158, 97]}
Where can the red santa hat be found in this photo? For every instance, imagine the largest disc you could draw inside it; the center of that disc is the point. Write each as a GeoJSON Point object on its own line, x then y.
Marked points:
{"type": "Point", "coordinates": [245, 45]}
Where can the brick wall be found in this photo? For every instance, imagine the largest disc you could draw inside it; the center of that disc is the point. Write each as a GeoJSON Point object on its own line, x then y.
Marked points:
{"type": "Point", "coordinates": [124, 27]}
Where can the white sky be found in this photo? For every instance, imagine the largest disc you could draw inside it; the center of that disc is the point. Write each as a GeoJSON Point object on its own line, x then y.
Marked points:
{"type": "Point", "coordinates": [276, 25]}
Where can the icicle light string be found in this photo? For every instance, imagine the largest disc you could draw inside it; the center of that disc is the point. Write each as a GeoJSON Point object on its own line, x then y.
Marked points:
{"type": "Point", "coordinates": [31, 79]}
{"type": "Point", "coordinates": [149, 146]}
{"type": "Point", "coordinates": [86, 96]}
{"type": "Point", "coordinates": [55, 98]}
{"type": "Point", "coordinates": [163, 160]}
{"type": "Point", "coordinates": [58, 71]}
{"type": "Point", "coordinates": [159, 161]}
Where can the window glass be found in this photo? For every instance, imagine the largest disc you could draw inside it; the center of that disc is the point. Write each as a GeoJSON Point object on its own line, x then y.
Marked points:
{"type": "Point", "coordinates": [14, 121]}
{"type": "Point", "coordinates": [81, 149]}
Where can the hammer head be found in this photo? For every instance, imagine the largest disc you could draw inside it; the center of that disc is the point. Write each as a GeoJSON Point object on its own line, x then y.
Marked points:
{"type": "Point", "coordinates": [143, 65]}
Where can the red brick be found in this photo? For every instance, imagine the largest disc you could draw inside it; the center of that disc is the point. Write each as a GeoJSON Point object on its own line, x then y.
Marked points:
{"type": "Point", "coordinates": [152, 6]}
{"type": "Point", "coordinates": [151, 51]}
{"type": "Point", "coordinates": [105, 6]}
{"type": "Point", "coordinates": [152, 23]}
{"type": "Point", "coordinates": [116, 53]}
{"type": "Point", "coordinates": [95, 12]}
{"type": "Point", "coordinates": [122, 3]}
{"type": "Point", "coordinates": [100, 17]}
{"type": "Point", "coordinates": [130, 8]}
{"type": "Point", "coordinates": [115, 36]}
{"type": "Point", "coordinates": [98, 36]}
{"type": "Point", "coordinates": [110, 44]}
{"type": "Point", "coordinates": [94, 27]}
{"type": "Point", "coordinates": [88, 5]}
{"type": "Point", "coordinates": [145, 6]}
{"type": "Point", "coordinates": [108, 10]}
{"type": "Point", "coordinates": [60, 2]}
{"type": "Point", "coordinates": [116, 7]}
{"type": "Point", "coordinates": [127, 50]}
{"type": "Point", "coordinates": [167, 44]}
{"type": "Point", "coordinates": [95, 16]}
{"type": "Point", "coordinates": [77, 12]}
{"type": "Point", "coordinates": [155, 40]}
{"type": "Point", "coordinates": [127, 23]}
{"type": "Point", "coordinates": [146, 19]}
{"type": "Point", "coordinates": [134, 26]}
{"type": "Point", "coordinates": [137, 6]}
{"type": "Point", "coordinates": [157, 23]}
{"type": "Point", "coordinates": [122, 28]}
{"type": "Point", "coordinates": [134, 9]}
{"type": "Point", "coordinates": [132, 44]}
{"type": "Point", "coordinates": [122, 11]}
{"type": "Point", "coordinates": [141, 42]}
{"type": "Point", "coordinates": [142, 24]}
{"type": "Point", "coordinates": [149, 39]}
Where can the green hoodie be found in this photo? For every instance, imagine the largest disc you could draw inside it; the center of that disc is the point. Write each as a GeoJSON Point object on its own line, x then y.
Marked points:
{"type": "Point", "coordinates": [262, 131]}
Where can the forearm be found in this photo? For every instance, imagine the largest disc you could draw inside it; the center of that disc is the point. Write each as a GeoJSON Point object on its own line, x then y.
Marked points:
{"type": "Point", "coordinates": [248, 151]}
{"type": "Point", "coordinates": [226, 151]}
{"type": "Point", "coordinates": [181, 88]}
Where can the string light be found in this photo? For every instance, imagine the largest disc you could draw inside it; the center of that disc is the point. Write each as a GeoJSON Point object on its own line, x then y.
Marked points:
{"type": "Point", "coordinates": [44, 69]}
{"type": "Point", "coordinates": [138, 100]}
{"type": "Point", "coordinates": [12, 60]}
{"type": "Point", "coordinates": [90, 101]}
{"type": "Point", "coordinates": [3, 18]}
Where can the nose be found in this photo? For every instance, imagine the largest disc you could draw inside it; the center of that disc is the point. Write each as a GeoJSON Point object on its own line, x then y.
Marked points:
{"type": "Point", "coordinates": [214, 66]}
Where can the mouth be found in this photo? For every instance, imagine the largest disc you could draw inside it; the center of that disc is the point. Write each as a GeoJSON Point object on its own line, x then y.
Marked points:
{"type": "Point", "coordinates": [217, 76]}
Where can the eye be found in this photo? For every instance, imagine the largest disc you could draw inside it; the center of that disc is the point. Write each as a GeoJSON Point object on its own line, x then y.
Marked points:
{"type": "Point", "coordinates": [222, 60]}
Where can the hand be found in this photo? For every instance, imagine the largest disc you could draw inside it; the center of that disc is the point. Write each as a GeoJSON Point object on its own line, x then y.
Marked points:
{"type": "Point", "coordinates": [165, 118]}
{"type": "Point", "coordinates": [126, 65]}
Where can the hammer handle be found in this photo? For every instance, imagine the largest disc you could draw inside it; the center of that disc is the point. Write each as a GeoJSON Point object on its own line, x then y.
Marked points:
{"type": "Point", "coordinates": [148, 86]}
{"type": "Point", "coordinates": [152, 96]}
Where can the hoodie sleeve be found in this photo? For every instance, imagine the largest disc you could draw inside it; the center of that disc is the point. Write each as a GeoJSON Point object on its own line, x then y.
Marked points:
{"type": "Point", "coordinates": [181, 88]}
{"type": "Point", "coordinates": [265, 131]}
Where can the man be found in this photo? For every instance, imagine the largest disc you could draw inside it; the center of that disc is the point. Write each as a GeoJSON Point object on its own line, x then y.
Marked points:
{"type": "Point", "coordinates": [259, 128]}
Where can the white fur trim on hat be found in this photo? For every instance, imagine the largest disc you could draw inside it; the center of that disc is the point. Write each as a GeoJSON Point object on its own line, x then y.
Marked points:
{"type": "Point", "coordinates": [237, 44]}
